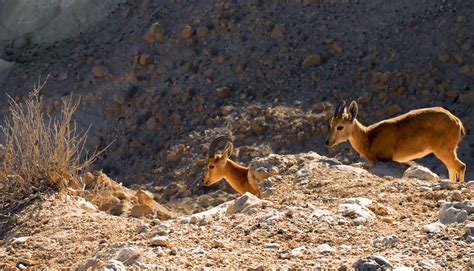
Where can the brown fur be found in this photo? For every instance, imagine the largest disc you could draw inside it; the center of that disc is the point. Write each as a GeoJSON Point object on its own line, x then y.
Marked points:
{"type": "Point", "coordinates": [221, 167]}
{"type": "Point", "coordinates": [404, 138]}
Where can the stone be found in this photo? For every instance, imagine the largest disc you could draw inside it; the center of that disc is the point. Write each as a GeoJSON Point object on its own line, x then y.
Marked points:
{"type": "Point", "coordinates": [119, 98]}
{"type": "Point", "coordinates": [141, 211]}
{"type": "Point", "coordinates": [186, 32]}
{"type": "Point", "coordinates": [161, 241]}
{"type": "Point", "coordinates": [360, 201]}
{"type": "Point", "coordinates": [433, 227]}
{"type": "Point", "coordinates": [326, 249]}
{"type": "Point", "coordinates": [469, 231]}
{"type": "Point", "coordinates": [311, 60]}
{"type": "Point", "coordinates": [114, 265]}
{"type": "Point", "coordinates": [278, 31]}
{"type": "Point", "coordinates": [468, 205]}
{"type": "Point", "coordinates": [20, 42]}
{"type": "Point", "coordinates": [154, 33]}
{"type": "Point", "coordinates": [356, 212]}
{"type": "Point", "coordinates": [246, 204]}
{"type": "Point", "coordinates": [198, 251]}
{"type": "Point", "coordinates": [127, 255]}
{"type": "Point", "coordinates": [420, 172]}
{"type": "Point", "coordinates": [467, 98]}
{"type": "Point", "coordinates": [145, 59]}
{"type": "Point", "coordinates": [271, 246]}
{"type": "Point", "coordinates": [86, 205]}
{"type": "Point", "coordinates": [385, 241]}
{"type": "Point", "coordinates": [87, 264]}
{"type": "Point", "coordinates": [202, 31]}
{"type": "Point", "coordinates": [428, 264]}
{"type": "Point", "coordinates": [100, 71]}
{"type": "Point", "coordinates": [217, 244]}
{"type": "Point", "coordinates": [372, 263]}
{"type": "Point", "coordinates": [444, 184]}
{"type": "Point", "coordinates": [20, 240]}
{"type": "Point", "coordinates": [151, 124]}
{"type": "Point", "coordinates": [223, 92]}
{"type": "Point", "coordinates": [452, 213]}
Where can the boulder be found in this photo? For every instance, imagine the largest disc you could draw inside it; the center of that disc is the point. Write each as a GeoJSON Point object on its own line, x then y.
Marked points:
{"type": "Point", "coordinates": [420, 172]}
{"type": "Point", "coordinates": [372, 263]}
{"type": "Point", "coordinates": [452, 212]}
{"type": "Point", "coordinates": [246, 204]}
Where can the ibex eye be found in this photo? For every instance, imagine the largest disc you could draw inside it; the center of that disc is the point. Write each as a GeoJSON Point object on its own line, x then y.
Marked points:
{"type": "Point", "coordinates": [340, 127]}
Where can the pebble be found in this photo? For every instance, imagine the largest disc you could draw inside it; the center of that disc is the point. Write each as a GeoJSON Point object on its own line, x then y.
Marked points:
{"type": "Point", "coordinates": [198, 251]}
{"type": "Point", "coordinates": [311, 60]}
{"type": "Point", "coordinates": [372, 263]}
{"type": "Point", "coordinates": [160, 241]}
{"type": "Point", "coordinates": [433, 227]}
{"type": "Point", "coordinates": [271, 246]}
{"type": "Point", "coordinates": [154, 33]}
{"type": "Point", "coordinates": [326, 249]}
{"type": "Point", "coordinates": [428, 264]}
{"type": "Point", "coordinates": [386, 240]}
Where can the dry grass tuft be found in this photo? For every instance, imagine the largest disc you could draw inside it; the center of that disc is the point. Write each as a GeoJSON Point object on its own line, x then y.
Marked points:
{"type": "Point", "coordinates": [40, 152]}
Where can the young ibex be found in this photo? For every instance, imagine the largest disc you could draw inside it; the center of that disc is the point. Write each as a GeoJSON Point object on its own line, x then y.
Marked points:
{"type": "Point", "coordinates": [404, 138]}
{"type": "Point", "coordinates": [219, 166]}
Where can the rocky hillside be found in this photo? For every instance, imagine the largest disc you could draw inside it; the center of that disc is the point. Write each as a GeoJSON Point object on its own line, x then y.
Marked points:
{"type": "Point", "coordinates": [158, 80]}
{"type": "Point", "coordinates": [316, 213]}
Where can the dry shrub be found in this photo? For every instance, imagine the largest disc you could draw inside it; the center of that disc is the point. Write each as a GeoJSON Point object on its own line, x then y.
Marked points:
{"type": "Point", "coordinates": [40, 152]}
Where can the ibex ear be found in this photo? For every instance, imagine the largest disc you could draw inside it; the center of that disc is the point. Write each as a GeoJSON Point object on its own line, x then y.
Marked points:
{"type": "Point", "coordinates": [229, 148]}
{"type": "Point", "coordinates": [352, 110]}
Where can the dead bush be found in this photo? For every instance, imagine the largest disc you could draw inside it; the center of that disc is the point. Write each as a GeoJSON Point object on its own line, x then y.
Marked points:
{"type": "Point", "coordinates": [39, 151]}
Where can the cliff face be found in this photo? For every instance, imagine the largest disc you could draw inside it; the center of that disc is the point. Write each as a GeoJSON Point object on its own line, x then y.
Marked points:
{"type": "Point", "coordinates": [50, 20]}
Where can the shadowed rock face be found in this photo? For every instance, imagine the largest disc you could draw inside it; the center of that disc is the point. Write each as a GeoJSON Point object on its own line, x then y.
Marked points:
{"type": "Point", "coordinates": [50, 20]}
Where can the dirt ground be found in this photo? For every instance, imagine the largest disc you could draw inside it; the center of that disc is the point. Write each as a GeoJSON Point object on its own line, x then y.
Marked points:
{"type": "Point", "coordinates": [289, 229]}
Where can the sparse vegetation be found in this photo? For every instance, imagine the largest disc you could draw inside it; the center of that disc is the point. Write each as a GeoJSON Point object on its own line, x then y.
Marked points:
{"type": "Point", "coordinates": [40, 151]}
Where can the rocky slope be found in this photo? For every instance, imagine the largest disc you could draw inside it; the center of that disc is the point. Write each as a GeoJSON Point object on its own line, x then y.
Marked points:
{"type": "Point", "coordinates": [317, 213]}
{"type": "Point", "coordinates": [159, 80]}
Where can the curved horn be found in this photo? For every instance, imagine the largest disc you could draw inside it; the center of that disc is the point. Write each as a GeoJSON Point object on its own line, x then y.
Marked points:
{"type": "Point", "coordinates": [215, 143]}
{"type": "Point", "coordinates": [340, 109]}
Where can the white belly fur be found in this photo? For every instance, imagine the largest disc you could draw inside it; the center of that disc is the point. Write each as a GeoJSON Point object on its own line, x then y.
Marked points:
{"type": "Point", "coordinates": [404, 159]}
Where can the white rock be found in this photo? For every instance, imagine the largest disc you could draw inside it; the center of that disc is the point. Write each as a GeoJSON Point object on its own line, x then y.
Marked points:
{"type": "Point", "coordinates": [326, 249]}
{"type": "Point", "coordinates": [246, 204]}
{"type": "Point", "coordinates": [20, 240]}
{"type": "Point", "coordinates": [86, 205]}
{"type": "Point", "coordinates": [114, 265]}
{"type": "Point", "coordinates": [355, 211]}
{"type": "Point", "coordinates": [162, 241]}
{"type": "Point", "coordinates": [420, 172]}
{"type": "Point", "coordinates": [219, 210]}
{"type": "Point", "coordinates": [298, 251]}
{"type": "Point", "coordinates": [360, 201]}
{"type": "Point", "coordinates": [433, 227]}
{"type": "Point", "coordinates": [385, 241]}
{"type": "Point", "coordinates": [198, 251]}
{"type": "Point", "coordinates": [469, 184]}
{"type": "Point", "coordinates": [428, 264]}
{"type": "Point", "coordinates": [452, 213]}
{"type": "Point", "coordinates": [444, 184]}
{"type": "Point", "coordinates": [319, 212]}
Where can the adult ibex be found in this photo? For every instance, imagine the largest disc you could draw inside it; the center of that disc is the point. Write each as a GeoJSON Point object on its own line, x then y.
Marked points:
{"type": "Point", "coordinates": [219, 167]}
{"type": "Point", "coordinates": [404, 138]}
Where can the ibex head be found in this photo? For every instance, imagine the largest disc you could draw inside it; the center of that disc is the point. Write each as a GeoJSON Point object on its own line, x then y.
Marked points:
{"type": "Point", "coordinates": [216, 163]}
{"type": "Point", "coordinates": [342, 123]}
